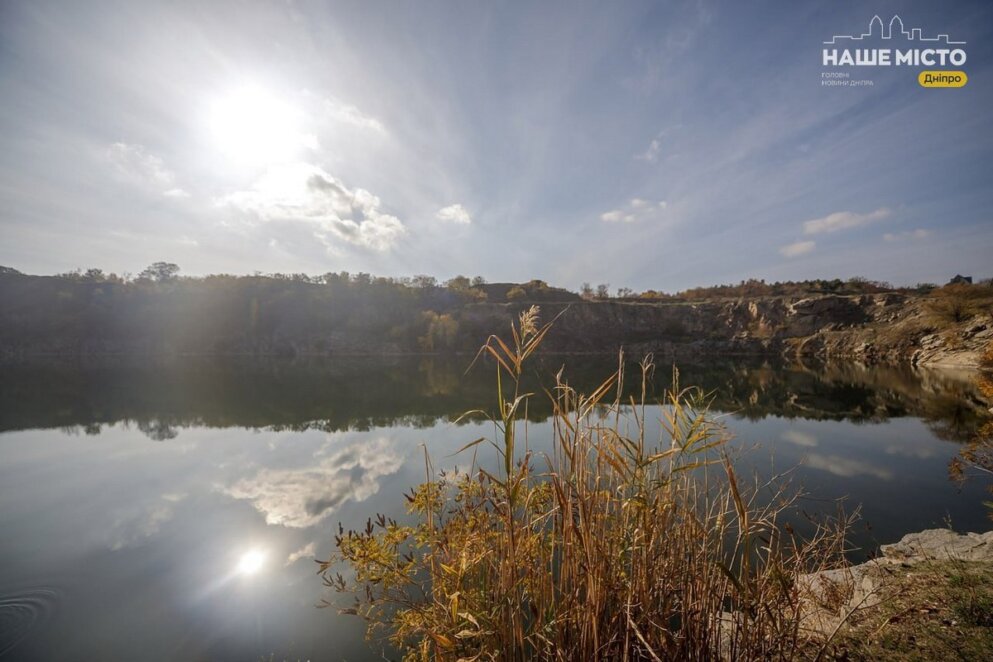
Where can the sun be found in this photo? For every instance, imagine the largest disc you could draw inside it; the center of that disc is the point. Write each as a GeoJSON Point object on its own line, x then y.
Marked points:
{"type": "Point", "coordinates": [251, 562]}
{"type": "Point", "coordinates": [253, 126]}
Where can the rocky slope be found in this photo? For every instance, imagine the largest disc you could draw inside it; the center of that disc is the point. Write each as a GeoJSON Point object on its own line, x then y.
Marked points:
{"type": "Point", "coordinates": [289, 316]}
{"type": "Point", "coordinates": [871, 328]}
{"type": "Point", "coordinates": [858, 596]}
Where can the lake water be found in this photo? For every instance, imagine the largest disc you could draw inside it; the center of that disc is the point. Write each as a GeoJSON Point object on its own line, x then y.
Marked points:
{"type": "Point", "coordinates": [172, 510]}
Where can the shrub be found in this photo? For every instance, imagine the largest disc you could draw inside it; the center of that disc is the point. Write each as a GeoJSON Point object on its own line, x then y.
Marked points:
{"type": "Point", "coordinates": [957, 302]}
{"type": "Point", "coordinates": [516, 292]}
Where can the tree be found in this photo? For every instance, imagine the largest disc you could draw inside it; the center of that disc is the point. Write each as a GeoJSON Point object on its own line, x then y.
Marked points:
{"type": "Point", "coordinates": [603, 291]}
{"type": "Point", "coordinates": [624, 292]}
{"type": "Point", "coordinates": [478, 281]}
{"type": "Point", "coordinates": [160, 272]}
{"type": "Point", "coordinates": [459, 283]}
{"type": "Point", "coordinates": [425, 282]}
{"type": "Point", "coordinates": [440, 331]}
{"type": "Point", "coordinates": [586, 291]}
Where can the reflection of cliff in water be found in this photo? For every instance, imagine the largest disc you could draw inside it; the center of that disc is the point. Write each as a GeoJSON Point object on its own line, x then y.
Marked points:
{"type": "Point", "coordinates": [160, 396]}
{"type": "Point", "coordinates": [947, 400]}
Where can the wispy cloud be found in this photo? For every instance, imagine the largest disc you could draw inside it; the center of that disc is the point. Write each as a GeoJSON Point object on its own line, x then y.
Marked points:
{"type": "Point", "coordinates": [454, 214]}
{"type": "Point", "coordinates": [306, 193]}
{"type": "Point", "coordinates": [652, 153]}
{"type": "Point", "coordinates": [635, 211]}
{"type": "Point", "coordinates": [919, 233]}
{"type": "Point", "coordinates": [133, 163]}
{"type": "Point", "coordinates": [654, 149]}
{"type": "Point", "coordinates": [348, 114]}
{"type": "Point", "coordinates": [842, 220]}
{"type": "Point", "coordinates": [798, 248]}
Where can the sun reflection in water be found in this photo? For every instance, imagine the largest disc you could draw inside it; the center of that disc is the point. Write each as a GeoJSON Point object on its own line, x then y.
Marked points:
{"type": "Point", "coordinates": [251, 562]}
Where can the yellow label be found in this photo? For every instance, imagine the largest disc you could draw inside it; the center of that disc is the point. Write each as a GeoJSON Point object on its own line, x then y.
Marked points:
{"type": "Point", "coordinates": [942, 78]}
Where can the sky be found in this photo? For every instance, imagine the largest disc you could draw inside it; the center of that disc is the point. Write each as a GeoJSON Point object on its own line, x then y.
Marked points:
{"type": "Point", "coordinates": [659, 145]}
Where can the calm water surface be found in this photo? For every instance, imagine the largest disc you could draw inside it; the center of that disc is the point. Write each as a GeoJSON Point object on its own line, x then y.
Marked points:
{"type": "Point", "coordinates": [172, 510]}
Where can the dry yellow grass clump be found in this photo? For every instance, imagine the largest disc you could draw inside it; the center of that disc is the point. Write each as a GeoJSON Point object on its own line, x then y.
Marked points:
{"type": "Point", "coordinates": [612, 545]}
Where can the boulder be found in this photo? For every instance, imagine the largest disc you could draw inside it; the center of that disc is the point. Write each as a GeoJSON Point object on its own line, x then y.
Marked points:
{"type": "Point", "coordinates": [942, 545]}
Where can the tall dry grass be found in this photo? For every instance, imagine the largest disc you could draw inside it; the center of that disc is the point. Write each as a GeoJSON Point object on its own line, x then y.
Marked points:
{"type": "Point", "coordinates": [614, 545]}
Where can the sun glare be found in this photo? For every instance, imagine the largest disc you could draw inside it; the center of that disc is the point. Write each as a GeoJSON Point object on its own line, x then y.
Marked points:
{"type": "Point", "coordinates": [251, 562]}
{"type": "Point", "coordinates": [252, 125]}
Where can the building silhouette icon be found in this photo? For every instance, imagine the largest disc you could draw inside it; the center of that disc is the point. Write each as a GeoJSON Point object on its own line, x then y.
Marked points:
{"type": "Point", "coordinates": [894, 30]}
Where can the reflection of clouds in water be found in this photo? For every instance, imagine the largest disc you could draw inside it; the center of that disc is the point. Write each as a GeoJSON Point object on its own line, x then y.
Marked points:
{"type": "Point", "coordinates": [800, 438]}
{"type": "Point", "coordinates": [303, 497]}
{"type": "Point", "coordinates": [308, 551]}
{"type": "Point", "coordinates": [846, 467]}
{"type": "Point", "coordinates": [920, 449]}
{"type": "Point", "coordinates": [135, 523]}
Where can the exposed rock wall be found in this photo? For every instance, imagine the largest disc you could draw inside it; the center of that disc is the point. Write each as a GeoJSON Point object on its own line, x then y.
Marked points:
{"type": "Point", "coordinates": [46, 316]}
{"type": "Point", "coordinates": [885, 327]}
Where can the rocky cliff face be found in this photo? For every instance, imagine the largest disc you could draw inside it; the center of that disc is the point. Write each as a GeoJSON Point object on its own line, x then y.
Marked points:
{"type": "Point", "coordinates": [269, 316]}
{"type": "Point", "coordinates": [870, 328]}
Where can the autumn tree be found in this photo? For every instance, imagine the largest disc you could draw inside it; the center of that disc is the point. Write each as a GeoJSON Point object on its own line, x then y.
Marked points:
{"type": "Point", "coordinates": [440, 332]}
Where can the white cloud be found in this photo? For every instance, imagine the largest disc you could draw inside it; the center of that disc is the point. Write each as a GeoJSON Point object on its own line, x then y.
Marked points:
{"type": "Point", "coordinates": [842, 220]}
{"type": "Point", "coordinates": [308, 551]}
{"type": "Point", "coordinates": [303, 497]}
{"type": "Point", "coordinates": [635, 211]}
{"type": "Point", "coordinates": [306, 193]}
{"type": "Point", "coordinates": [454, 214]}
{"type": "Point", "coordinates": [797, 248]}
{"type": "Point", "coordinates": [919, 233]}
{"type": "Point", "coordinates": [134, 164]}
{"type": "Point", "coordinates": [349, 114]}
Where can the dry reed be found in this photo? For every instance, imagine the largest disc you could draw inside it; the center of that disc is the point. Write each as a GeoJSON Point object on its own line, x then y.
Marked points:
{"type": "Point", "coordinates": [613, 545]}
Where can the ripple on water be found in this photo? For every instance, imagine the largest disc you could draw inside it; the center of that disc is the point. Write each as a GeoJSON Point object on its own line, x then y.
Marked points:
{"type": "Point", "coordinates": [24, 612]}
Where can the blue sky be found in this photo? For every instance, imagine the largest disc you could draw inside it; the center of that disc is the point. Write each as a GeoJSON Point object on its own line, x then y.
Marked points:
{"type": "Point", "coordinates": [643, 144]}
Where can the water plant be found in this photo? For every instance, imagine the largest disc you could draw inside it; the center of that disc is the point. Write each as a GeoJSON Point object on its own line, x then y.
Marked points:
{"type": "Point", "coordinates": [618, 543]}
